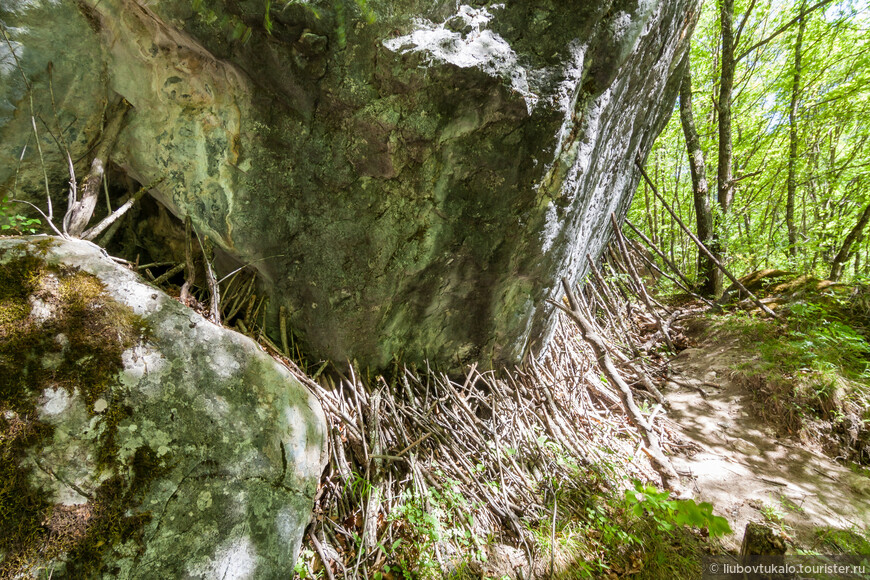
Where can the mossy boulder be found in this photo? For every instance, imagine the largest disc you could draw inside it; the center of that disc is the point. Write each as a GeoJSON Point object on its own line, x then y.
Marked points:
{"type": "Point", "coordinates": [137, 439]}
{"type": "Point", "coordinates": [409, 178]}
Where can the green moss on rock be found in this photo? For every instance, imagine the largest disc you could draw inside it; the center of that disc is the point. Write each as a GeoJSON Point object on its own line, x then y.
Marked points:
{"type": "Point", "coordinates": [174, 450]}
{"type": "Point", "coordinates": [60, 331]}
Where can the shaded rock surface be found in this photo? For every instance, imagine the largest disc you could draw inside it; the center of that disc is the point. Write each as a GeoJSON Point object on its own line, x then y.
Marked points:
{"type": "Point", "coordinates": [138, 439]}
{"type": "Point", "coordinates": [425, 171]}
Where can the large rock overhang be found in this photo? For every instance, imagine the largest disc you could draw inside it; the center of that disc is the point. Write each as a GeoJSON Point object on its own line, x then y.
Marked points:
{"type": "Point", "coordinates": [412, 181]}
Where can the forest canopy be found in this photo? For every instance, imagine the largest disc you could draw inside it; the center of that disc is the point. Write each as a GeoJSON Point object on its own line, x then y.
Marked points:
{"type": "Point", "coordinates": [787, 184]}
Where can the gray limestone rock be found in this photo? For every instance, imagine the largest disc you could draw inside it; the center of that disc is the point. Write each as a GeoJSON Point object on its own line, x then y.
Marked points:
{"type": "Point", "coordinates": [140, 440]}
{"type": "Point", "coordinates": [409, 178]}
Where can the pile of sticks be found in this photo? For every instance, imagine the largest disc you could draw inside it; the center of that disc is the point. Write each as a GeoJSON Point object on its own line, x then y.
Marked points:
{"type": "Point", "coordinates": [505, 440]}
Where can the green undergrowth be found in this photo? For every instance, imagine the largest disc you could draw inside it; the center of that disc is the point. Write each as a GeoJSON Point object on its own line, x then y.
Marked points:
{"type": "Point", "coordinates": [13, 222]}
{"type": "Point", "coordinates": [853, 542]}
{"type": "Point", "coordinates": [599, 529]}
{"type": "Point", "coordinates": [811, 375]}
{"type": "Point", "coordinates": [640, 532]}
{"type": "Point", "coordinates": [58, 330]}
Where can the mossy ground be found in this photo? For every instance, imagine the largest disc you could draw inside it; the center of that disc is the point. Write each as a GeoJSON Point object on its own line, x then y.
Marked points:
{"type": "Point", "coordinates": [811, 376]}
{"type": "Point", "coordinates": [58, 329]}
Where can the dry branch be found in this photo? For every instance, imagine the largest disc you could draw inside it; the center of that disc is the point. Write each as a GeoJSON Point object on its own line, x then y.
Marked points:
{"type": "Point", "coordinates": [669, 476]}
{"type": "Point", "coordinates": [81, 210]}
{"type": "Point", "coordinates": [499, 440]}
{"type": "Point", "coordinates": [704, 248]}
{"type": "Point", "coordinates": [632, 270]}
{"type": "Point", "coordinates": [118, 213]}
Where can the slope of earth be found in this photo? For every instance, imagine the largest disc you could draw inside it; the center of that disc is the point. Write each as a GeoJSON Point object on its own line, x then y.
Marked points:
{"type": "Point", "coordinates": [746, 467]}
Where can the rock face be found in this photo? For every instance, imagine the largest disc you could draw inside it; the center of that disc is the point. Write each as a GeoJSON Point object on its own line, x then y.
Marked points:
{"type": "Point", "coordinates": [138, 440]}
{"type": "Point", "coordinates": [409, 178]}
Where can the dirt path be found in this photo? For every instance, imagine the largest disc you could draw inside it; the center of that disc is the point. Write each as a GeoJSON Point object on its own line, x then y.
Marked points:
{"type": "Point", "coordinates": [742, 468]}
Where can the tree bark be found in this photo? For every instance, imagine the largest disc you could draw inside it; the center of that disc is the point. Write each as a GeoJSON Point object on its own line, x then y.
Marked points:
{"type": "Point", "coordinates": [725, 156]}
{"type": "Point", "coordinates": [724, 172]}
{"type": "Point", "coordinates": [793, 138]}
{"type": "Point", "coordinates": [854, 236]}
{"type": "Point", "coordinates": [700, 188]}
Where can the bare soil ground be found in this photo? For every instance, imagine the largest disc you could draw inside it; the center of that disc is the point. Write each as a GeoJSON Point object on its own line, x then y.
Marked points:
{"type": "Point", "coordinates": [743, 466]}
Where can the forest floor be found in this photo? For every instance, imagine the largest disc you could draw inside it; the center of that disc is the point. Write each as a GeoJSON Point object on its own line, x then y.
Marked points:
{"type": "Point", "coordinates": [747, 468]}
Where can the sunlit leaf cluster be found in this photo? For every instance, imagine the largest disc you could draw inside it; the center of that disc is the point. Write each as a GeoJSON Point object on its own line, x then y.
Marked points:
{"type": "Point", "coordinates": [832, 161]}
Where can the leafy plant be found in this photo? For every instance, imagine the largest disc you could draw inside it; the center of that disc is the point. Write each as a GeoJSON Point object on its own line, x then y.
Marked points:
{"type": "Point", "coordinates": [771, 514]}
{"type": "Point", "coordinates": [301, 568]}
{"type": "Point", "coordinates": [442, 515]}
{"type": "Point", "coordinates": [12, 223]}
{"type": "Point", "coordinates": [671, 513]}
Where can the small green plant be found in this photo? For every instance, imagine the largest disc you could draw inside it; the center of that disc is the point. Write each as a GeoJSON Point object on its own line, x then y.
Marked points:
{"type": "Point", "coordinates": [301, 567]}
{"type": "Point", "coordinates": [443, 515]}
{"type": "Point", "coordinates": [360, 487]}
{"type": "Point", "coordinates": [790, 505]}
{"type": "Point", "coordinates": [772, 514]}
{"type": "Point", "coordinates": [12, 223]}
{"type": "Point", "coordinates": [671, 513]}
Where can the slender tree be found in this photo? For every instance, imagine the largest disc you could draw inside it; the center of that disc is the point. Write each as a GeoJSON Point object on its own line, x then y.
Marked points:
{"type": "Point", "coordinates": [793, 137]}
{"type": "Point", "coordinates": [853, 238]}
{"type": "Point", "coordinates": [700, 188]}
{"type": "Point", "coordinates": [725, 155]}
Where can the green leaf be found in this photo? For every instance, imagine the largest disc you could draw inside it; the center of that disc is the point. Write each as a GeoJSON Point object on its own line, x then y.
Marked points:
{"type": "Point", "coordinates": [267, 17]}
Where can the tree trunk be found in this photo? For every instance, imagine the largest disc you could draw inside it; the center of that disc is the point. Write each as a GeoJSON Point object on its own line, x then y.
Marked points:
{"type": "Point", "coordinates": [855, 235]}
{"type": "Point", "coordinates": [724, 175]}
{"type": "Point", "coordinates": [700, 188]}
{"type": "Point", "coordinates": [793, 139]}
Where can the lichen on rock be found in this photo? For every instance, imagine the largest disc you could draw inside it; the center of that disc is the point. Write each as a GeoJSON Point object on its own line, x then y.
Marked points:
{"type": "Point", "coordinates": [137, 439]}
{"type": "Point", "coordinates": [426, 171]}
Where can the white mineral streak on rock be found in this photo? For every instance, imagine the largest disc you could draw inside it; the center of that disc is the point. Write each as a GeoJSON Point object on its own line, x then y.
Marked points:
{"type": "Point", "coordinates": [551, 227]}
{"type": "Point", "coordinates": [565, 96]}
{"type": "Point", "coordinates": [217, 408]}
{"type": "Point", "coordinates": [224, 363]}
{"type": "Point", "coordinates": [39, 310]}
{"type": "Point", "coordinates": [305, 455]}
{"type": "Point", "coordinates": [7, 63]}
{"type": "Point", "coordinates": [287, 525]}
{"type": "Point", "coordinates": [475, 47]}
{"type": "Point", "coordinates": [139, 361]}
